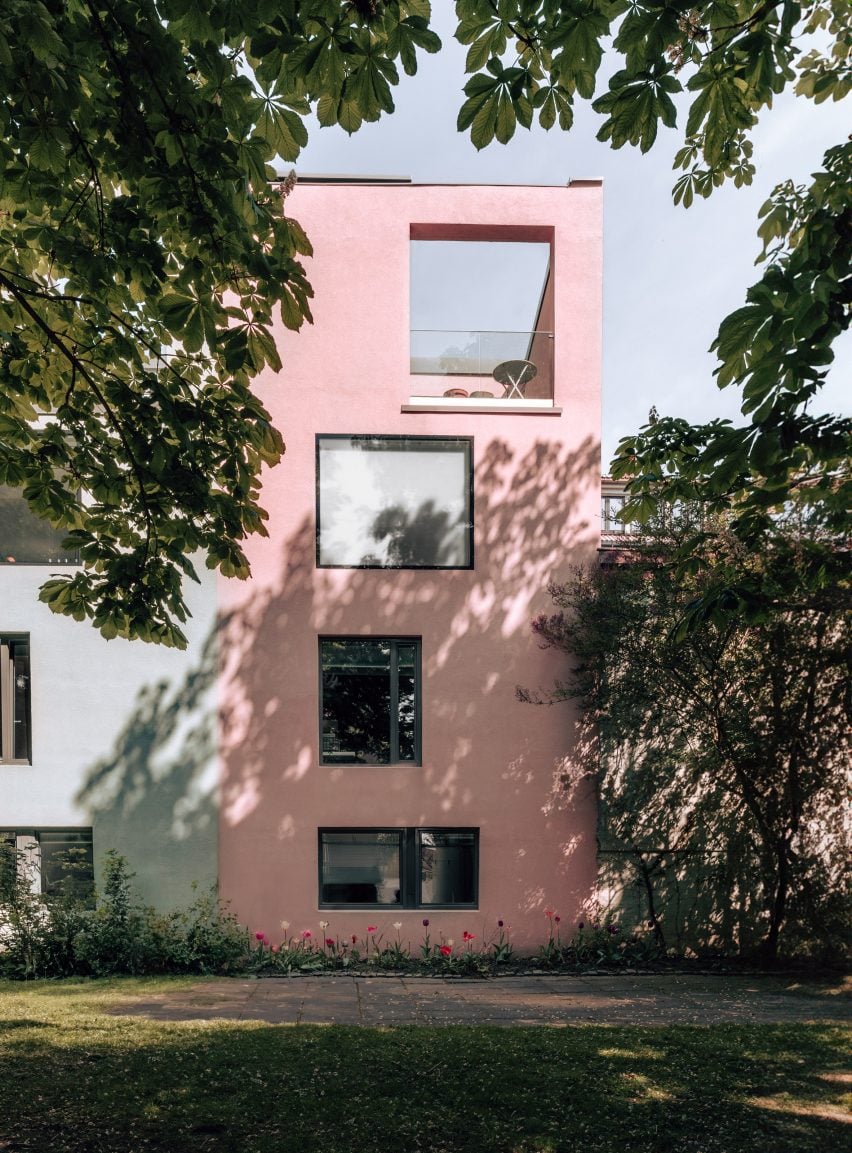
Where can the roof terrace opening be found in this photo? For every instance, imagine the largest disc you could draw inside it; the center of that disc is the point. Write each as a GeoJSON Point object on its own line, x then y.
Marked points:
{"type": "Point", "coordinates": [482, 313]}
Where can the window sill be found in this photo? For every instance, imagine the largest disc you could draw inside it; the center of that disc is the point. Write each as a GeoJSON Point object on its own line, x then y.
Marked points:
{"type": "Point", "coordinates": [481, 404]}
{"type": "Point", "coordinates": [322, 908]}
{"type": "Point", "coordinates": [370, 764]}
{"type": "Point", "coordinates": [12, 564]}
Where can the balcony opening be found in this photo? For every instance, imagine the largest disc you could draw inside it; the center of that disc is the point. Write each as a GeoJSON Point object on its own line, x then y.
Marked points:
{"type": "Point", "coordinates": [481, 316]}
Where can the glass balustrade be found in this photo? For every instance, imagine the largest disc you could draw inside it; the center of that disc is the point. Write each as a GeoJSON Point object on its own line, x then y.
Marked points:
{"type": "Point", "coordinates": [485, 366]}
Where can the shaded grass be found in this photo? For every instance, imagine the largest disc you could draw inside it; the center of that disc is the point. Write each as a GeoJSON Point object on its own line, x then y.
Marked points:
{"type": "Point", "coordinates": [76, 1080]}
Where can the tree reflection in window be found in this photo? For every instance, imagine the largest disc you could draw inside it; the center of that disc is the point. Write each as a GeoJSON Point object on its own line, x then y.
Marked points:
{"type": "Point", "coordinates": [370, 706]}
{"type": "Point", "coordinates": [394, 502]}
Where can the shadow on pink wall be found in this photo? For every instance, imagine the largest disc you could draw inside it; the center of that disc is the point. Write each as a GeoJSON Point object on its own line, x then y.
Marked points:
{"type": "Point", "coordinates": [151, 797]}
{"type": "Point", "coordinates": [526, 535]}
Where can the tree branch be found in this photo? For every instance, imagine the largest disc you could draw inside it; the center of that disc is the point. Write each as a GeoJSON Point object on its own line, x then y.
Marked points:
{"type": "Point", "coordinates": [56, 341]}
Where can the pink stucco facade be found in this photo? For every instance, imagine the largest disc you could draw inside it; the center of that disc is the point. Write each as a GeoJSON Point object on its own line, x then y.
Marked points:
{"type": "Point", "coordinates": [489, 763]}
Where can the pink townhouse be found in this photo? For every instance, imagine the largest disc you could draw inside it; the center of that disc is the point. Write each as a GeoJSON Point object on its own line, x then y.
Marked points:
{"type": "Point", "coordinates": [442, 421]}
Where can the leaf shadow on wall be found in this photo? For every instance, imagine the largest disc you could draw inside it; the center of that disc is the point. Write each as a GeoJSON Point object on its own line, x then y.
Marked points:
{"type": "Point", "coordinates": [153, 797]}
{"type": "Point", "coordinates": [268, 706]}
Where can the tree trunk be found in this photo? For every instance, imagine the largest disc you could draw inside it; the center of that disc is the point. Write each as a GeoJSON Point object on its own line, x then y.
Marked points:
{"type": "Point", "coordinates": [769, 947]}
{"type": "Point", "coordinates": [645, 872]}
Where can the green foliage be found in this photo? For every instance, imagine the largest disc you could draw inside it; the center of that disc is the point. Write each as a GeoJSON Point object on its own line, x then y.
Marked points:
{"type": "Point", "coordinates": [63, 934]}
{"type": "Point", "coordinates": [145, 251]}
{"type": "Point", "coordinates": [144, 255]}
{"type": "Point", "coordinates": [777, 349]}
{"type": "Point", "coordinates": [728, 739]}
{"type": "Point", "coordinates": [86, 1070]}
{"type": "Point", "coordinates": [598, 939]}
{"type": "Point", "coordinates": [724, 62]}
{"type": "Point", "coordinates": [25, 937]}
{"type": "Point", "coordinates": [114, 938]}
{"type": "Point", "coordinates": [728, 57]}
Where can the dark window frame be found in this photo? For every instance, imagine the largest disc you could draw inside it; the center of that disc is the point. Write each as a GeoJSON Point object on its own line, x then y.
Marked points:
{"type": "Point", "coordinates": [466, 441]}
{"type": "Point", "coordinates": [394, 641]}
{"type": "Point", "coordinates": [83, 836]}
{"type": "Point", "coordinates": [409, 867]}
{"type": "Point", "coordinates": [7, 699]}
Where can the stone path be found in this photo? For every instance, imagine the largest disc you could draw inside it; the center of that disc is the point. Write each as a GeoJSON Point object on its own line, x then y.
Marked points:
{"type": "Point", "coordinates": [530, 1000]}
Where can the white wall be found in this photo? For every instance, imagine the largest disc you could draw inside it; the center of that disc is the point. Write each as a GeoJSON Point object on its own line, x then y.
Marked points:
{"type": "Point", "coordinates": [123, 739]}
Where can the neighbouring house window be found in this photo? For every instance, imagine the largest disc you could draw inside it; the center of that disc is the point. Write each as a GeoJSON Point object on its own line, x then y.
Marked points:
{"type": "Point", "coordinates": [25, 538]}
{"type": "Point", "coordinates": [408, 868]}
{"type": "Point", "coordinates": [54, 862]}
{"type": "Point", "coordinates": [369, 701]}
{"type": "Point", "coordinates": [394, 502]}
{"type": "Point", "coordinates": [14, 699]}
{"type": "Point", "coordinates": [611, 506]}
{"type": "Point", "coordinates": [67, 862]}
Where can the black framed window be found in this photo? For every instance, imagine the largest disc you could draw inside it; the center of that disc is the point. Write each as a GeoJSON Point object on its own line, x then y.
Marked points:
{"type": "Point", "coordinates": [67, 862]}
{"type": "Point", "coordinates": [369, 700]}
{"type": "Point", "coordinates": [407, 868]}
{"type": "Point", "coordinates": [15, 699]}
{"type": "Point", "coordinates": [394, 502]}
{"type": "Point", "coordinates": [58, 862]}
{"type": "Point", "coordinates": [447, 867]}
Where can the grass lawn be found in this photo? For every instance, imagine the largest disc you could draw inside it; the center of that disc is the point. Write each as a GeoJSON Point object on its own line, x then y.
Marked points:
{"type": "Point", "coordinates": [77, 1080]}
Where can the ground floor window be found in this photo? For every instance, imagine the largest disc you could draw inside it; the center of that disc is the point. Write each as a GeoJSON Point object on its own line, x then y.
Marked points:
{"type": "Point", "coordinates": [56, 862]}
{"type": "Point", "coordinates": [408, 868]}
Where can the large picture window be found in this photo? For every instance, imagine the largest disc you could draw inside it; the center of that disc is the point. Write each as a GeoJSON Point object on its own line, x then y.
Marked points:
{"type": "Point", "coordinates": [394, 502]}
{"type": "Point", "coordinates": [407, 868]}
{"type": "Point", "coordinates": [14, 699]}
{"type": "Point", "coordinates": [369, 701]}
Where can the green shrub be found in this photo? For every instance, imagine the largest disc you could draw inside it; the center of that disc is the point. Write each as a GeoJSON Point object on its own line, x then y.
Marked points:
{"type": "Point", "coordinates": [66, 934]}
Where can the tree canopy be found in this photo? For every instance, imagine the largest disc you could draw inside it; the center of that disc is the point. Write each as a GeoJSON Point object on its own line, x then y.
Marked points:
{"type": "Point", "coordinates": [721, 64]}
{"type": "Point", "coordinates": [144, 247]}
{"type": "Point", "coordinates": [143, 253]}
{"type": "Point", "coordinates": [721, 755]}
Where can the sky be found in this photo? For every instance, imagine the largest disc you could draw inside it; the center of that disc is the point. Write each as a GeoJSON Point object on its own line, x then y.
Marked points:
{"type": "Point", "coordinates": [670, 274]}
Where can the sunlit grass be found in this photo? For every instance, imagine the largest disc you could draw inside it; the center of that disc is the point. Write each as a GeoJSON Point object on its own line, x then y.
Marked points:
{"type": "Point", "coordinates": [76, 1078]}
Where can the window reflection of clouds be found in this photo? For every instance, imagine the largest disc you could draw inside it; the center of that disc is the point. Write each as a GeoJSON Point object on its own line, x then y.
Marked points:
{"type": "Point", "coordinates": [385, 506]}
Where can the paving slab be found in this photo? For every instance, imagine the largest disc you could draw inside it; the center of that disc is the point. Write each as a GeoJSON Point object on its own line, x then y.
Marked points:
{"type": "Point", "coordinates": [509, 1001]}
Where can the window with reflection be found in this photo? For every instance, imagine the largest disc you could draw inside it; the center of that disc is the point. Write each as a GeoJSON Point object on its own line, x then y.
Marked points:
{"type": "Point", "coordinates": [394, 502]}
{"type": "Point", "coordinates": [369, 700]}
{"type": "Point", "coordinates": [361, 868]}
{"type": "Point", "coordinates": [447, 867]}
{"type": "Point", "coordinates": [411, 868]}
{"type": "Point", "coordinates": [25, 538]}
{"type": "Point", "coordinates": [67, 863]}
{"type": "Point", "coordinates": [55, 862]}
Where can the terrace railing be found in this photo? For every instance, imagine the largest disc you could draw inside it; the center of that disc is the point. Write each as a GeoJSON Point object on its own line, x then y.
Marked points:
{"type": "Point", "coordinates": [473, 360]}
